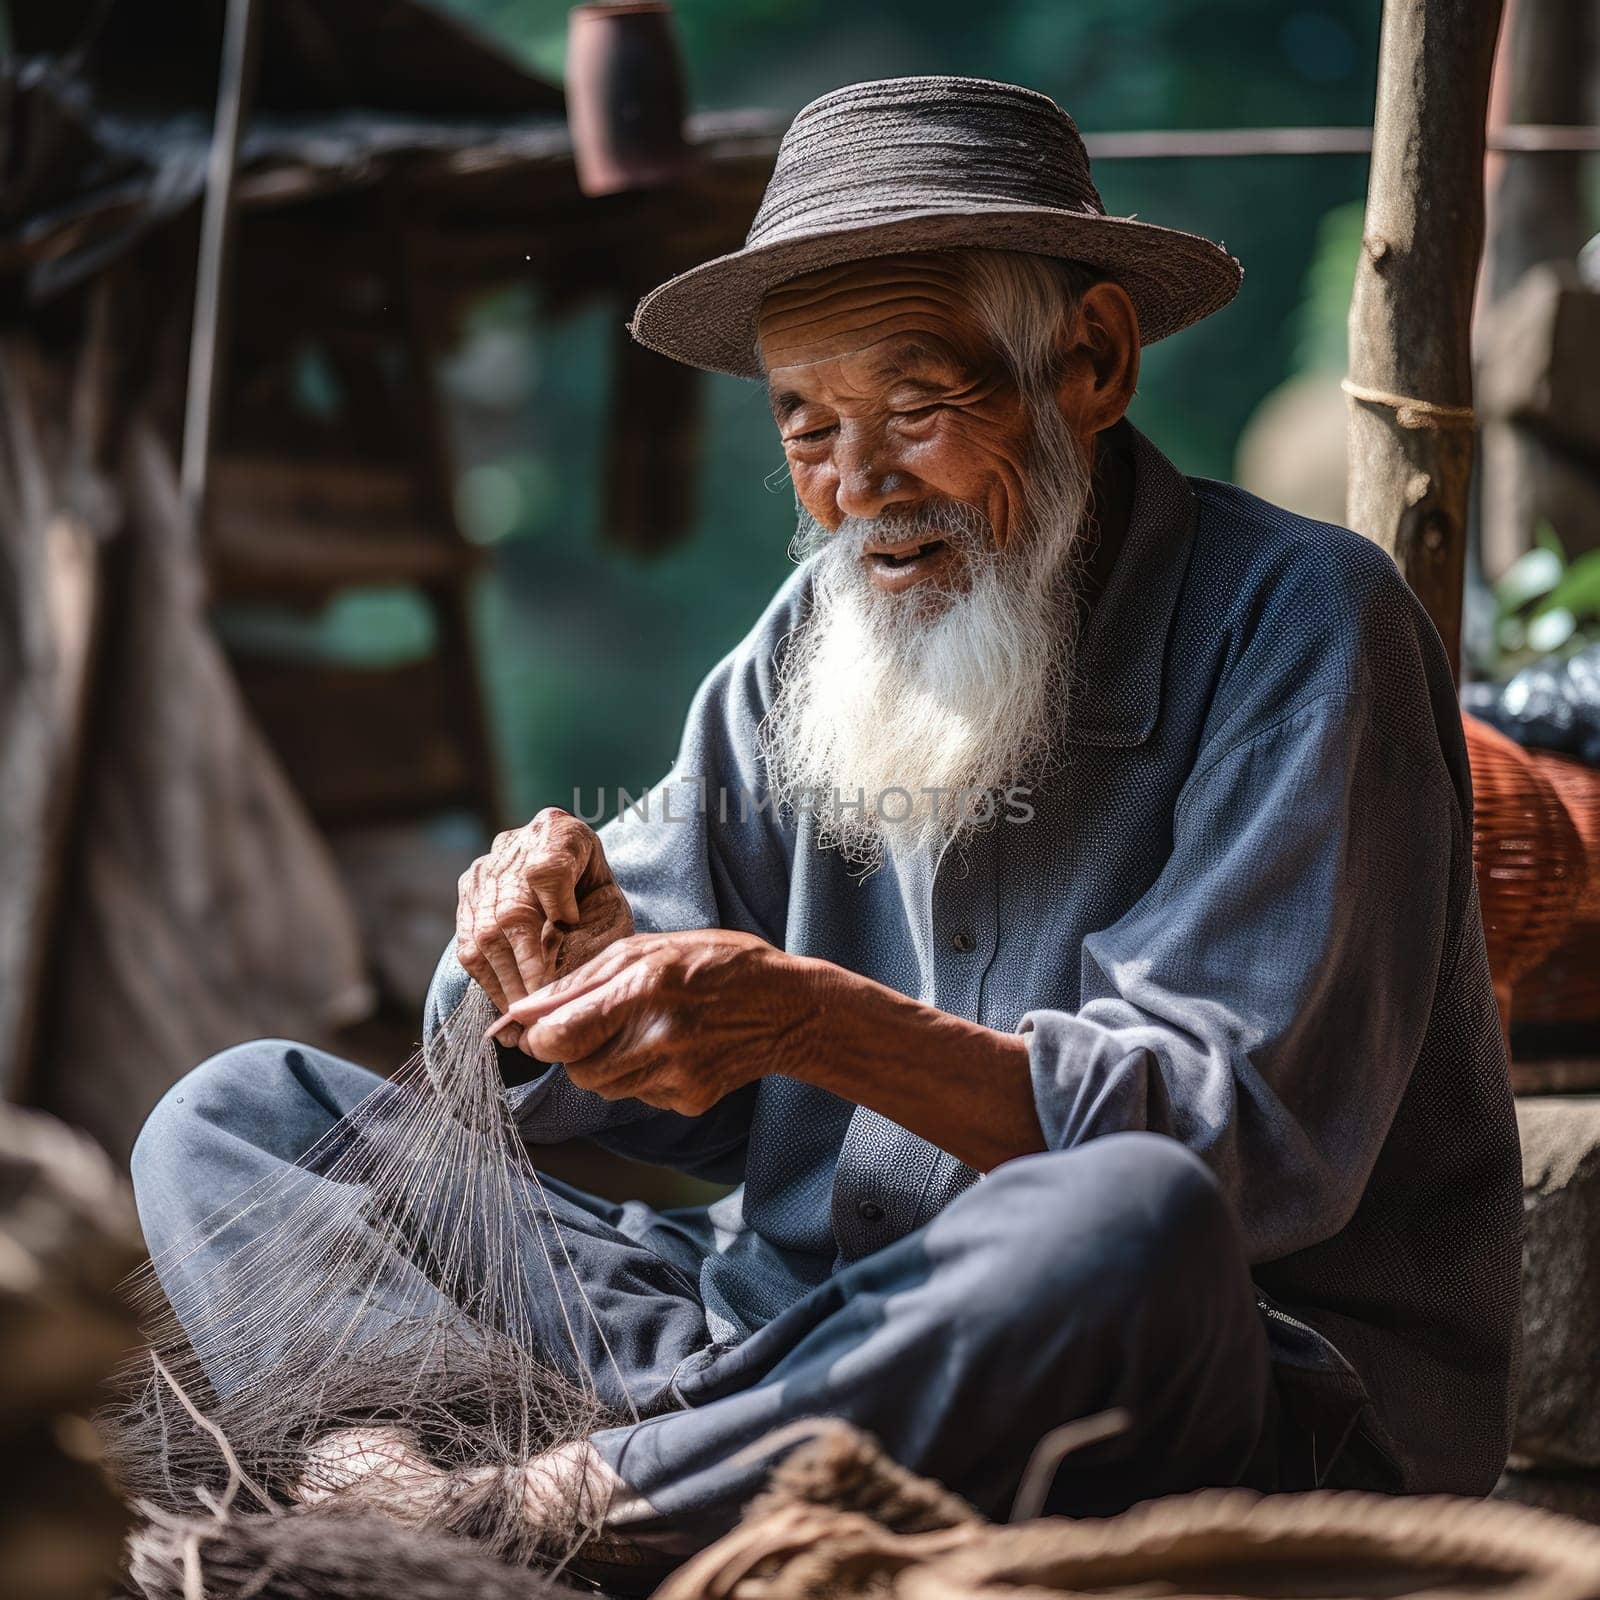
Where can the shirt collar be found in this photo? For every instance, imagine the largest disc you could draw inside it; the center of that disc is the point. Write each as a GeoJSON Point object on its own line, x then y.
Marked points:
{"type": "Point", "coordinates": [1122, 652]}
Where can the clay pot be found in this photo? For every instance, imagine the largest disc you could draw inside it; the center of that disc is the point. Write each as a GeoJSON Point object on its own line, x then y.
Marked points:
{"type": "Point", "coordinates": [625, 97]}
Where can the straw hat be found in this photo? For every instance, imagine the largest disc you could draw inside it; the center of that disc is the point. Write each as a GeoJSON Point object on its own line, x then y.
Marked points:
{"type": "Point", "coordinates": [916, 164]}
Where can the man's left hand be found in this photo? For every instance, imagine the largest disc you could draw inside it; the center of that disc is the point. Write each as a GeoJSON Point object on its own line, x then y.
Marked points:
{"type": "Point", "coordinates": [678, 1020]}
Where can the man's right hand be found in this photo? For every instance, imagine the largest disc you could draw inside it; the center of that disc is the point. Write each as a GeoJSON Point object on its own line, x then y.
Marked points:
{"type": "Point", "coordinates": [537, 906]}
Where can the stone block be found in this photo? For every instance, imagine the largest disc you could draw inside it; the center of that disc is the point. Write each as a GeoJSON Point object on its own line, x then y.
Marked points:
{"type": "Point", "coordinates": [1558, 1415]}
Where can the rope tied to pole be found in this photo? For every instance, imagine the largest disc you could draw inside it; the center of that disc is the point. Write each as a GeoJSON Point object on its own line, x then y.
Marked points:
{"type": "Point", "coordinates": [1410, 412]}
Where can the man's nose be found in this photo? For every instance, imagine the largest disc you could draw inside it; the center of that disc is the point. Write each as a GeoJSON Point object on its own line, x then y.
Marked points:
{"type": "Point", "coordinates": [870, 480]}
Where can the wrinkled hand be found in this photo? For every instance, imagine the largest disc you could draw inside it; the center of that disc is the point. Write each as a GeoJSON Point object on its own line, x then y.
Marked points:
{"type": "Point", "coordinates": [677, 1020]}
{"type": "Point", "coordinates": [540, 903]}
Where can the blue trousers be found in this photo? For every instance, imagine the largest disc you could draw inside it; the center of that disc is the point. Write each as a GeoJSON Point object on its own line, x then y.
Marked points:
{"type": "Point", "coordinates": [1063, 1285]}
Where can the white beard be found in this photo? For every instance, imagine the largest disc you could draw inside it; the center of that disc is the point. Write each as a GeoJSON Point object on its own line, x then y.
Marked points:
{"type": "Point", "coordinates": [927, 702]}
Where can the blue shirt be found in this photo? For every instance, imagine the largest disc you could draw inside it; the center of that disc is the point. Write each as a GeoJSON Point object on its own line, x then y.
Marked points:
{"type": "Point", "coordinates": [1244, 915]}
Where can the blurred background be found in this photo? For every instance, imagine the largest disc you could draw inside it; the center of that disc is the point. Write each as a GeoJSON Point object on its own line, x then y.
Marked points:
{"type": "Point", "coordinates": [343, 524]}
{"type": "Point", "coordinates": [566, 624]}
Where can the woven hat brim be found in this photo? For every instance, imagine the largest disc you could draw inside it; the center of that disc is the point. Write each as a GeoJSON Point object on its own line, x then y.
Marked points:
{"type": "Point", "coordinates": [707, 317]}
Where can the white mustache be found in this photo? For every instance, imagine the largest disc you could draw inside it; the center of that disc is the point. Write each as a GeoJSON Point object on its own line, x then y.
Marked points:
{"type": "Point", "coordinates": [959, 688]}
{"type": "Point", "coordinates": [959, 524]}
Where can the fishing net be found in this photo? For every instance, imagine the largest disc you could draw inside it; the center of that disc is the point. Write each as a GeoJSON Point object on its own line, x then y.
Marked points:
{"type": "Point", "coordinates": [294, 1558]}
{"type": "Point", "coordinates": [406, 1286]}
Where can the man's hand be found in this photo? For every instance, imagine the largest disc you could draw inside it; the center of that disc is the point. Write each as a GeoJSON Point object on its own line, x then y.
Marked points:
{"type": "Point", "coordinates": [542, 902]}
{"type": "Point", "coordinates": [677, 1020]}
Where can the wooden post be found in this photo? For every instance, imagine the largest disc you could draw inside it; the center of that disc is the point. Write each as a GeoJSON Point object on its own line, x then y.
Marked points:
{"type": "Point", "coordinates": [1535, 215]}
{"type": "Point", "coordinates": [236, 79]}
{"type": "Point", "coordinates": [57, 511]}
{"type": "Point", "coordinates": [1410, 383]}
{"type": "Point", "coordinates": [1547, 55]}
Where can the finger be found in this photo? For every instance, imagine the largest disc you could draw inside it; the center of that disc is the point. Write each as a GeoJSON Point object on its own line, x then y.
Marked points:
{"type": "Point", "coordinates": [589, 857]}
{"type": "Point", "coordinates": [606, 919]}
{"type": "Point", "coordinates": [586, 1024]}
{"type": "Point", "coordinates": [567, 849]}
{"type": "Point", "coordinates": [615, 1077]}
{"type": "Point", "coordinates": [467, 899]}
{"type": "Point", "coordinates": [556, 885]}
{"type": "Point", "coordinates": [506, 1030]}
{"type": "Point", "coordinates": [532, 963]}
{"type": "Point", "coordinates": [476, 966]}
{"type": "Point", "coordinates": [615, 959]}
{"type": "Point", "coordinates": [576, 1034]}
{"type": "Point", "coordinates": [469, 952]}
{"type": "Point", "coordinates": [503, 963]}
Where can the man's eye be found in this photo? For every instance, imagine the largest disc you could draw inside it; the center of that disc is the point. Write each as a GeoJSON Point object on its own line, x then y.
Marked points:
{"type": "Point", "coordinates": [811, 435]}
{"type": "Point", "coordinates": [921, 413]}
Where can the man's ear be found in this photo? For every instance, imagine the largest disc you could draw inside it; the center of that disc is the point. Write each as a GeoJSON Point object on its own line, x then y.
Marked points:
{"type": "Point", "coordinates": [1100, 365]}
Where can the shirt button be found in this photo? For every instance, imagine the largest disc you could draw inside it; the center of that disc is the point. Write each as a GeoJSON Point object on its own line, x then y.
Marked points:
{"type": "Point", "coordinates": [869, 1211]}
{"type": "Point", "coordinates": [963, 941]}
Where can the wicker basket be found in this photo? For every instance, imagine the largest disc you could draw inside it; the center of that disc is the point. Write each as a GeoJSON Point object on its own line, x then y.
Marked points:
{"type": "Point", "coordinates": [1578, 788]}
{"type": "Point", "coordinates": [1528, 855]}
{"type": "Point", "coordinates": [1565, 987]}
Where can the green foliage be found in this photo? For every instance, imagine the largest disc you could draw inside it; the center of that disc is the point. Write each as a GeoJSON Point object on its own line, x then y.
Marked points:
{"type": "Point", "coordinates": [1321, 320]}
{"type": "Point", "coordinates": [534, 30]}
{"type": "Point", "coordinates": [1545, 604]}
{"type": "Point", "coordinates": [382, 625]}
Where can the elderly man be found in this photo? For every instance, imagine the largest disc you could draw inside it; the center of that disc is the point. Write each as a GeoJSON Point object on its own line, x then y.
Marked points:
{"type": "Point", "coordinates": [1059, 921]}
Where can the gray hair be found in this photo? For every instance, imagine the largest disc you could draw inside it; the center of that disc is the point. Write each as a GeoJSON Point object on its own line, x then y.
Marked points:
{"type": "Point", "coordinates": [1025, 302]}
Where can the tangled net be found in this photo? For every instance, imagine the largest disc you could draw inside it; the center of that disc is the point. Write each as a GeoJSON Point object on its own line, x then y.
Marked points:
{"type": "Point", "coordinates": [293, 1558]}
{"type": "Point", "coordinates": [407, 1279]}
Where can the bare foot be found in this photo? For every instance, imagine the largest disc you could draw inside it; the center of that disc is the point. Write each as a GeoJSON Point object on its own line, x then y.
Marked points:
{"type": "Point", "coordinates": [380, 1466]}
{"type": "Point", "coordinates": [570, 1482]}
{"type": "Point", "coordinates": [383, 1469]}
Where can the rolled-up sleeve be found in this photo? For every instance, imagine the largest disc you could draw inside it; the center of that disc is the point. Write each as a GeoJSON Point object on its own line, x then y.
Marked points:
{"type": "Point", "coordinates": [1265, 1000]}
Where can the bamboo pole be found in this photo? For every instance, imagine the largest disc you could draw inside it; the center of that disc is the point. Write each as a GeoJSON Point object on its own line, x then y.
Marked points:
{"type": "Point", "coordinates": [1181, 144]}
{"type": "Point", "coordinates": [235, 87]}
{"type": "Point", "coordinates": [1410, 383]}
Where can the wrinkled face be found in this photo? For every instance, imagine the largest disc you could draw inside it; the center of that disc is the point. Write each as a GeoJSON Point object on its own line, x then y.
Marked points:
{"type": "Point", "coordinates": [890, 399]}
{"type": "Point", "coordinates": [942, 493]}
{"type": "Point", "coordinates": [940, 509]}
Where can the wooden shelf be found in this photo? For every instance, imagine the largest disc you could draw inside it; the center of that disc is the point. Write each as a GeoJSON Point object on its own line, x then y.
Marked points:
{"type": "Point", "coordinates": [297, 530]}
{"type": "Point", "coordinates": [363, 744]}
